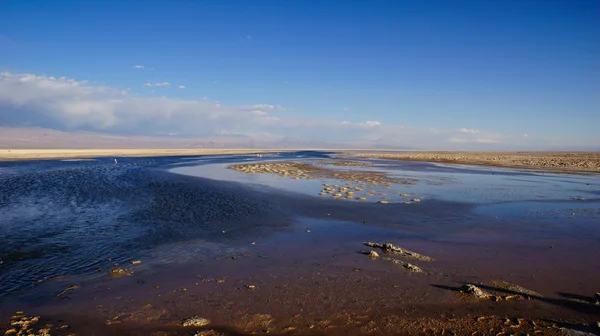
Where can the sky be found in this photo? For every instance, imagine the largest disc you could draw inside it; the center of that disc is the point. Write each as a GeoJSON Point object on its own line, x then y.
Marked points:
{"type": "Point", "coordinates": [420, 74]}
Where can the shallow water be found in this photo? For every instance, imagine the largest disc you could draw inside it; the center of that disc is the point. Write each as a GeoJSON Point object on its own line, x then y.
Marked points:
{"type": "Point", "coordinates": [456, 184]}
{"type": "Point", "coordinates": [78, 219]}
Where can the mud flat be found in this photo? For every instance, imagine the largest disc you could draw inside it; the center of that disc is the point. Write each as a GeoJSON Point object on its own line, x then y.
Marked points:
{"type": "Point", "coordinates": [359, 185]}
{"type": "Point", "coordinates": [39, 154]}
{"type": "Point", "coordinates": [556, 161]}
{"type": "Point", "coordinates": [91, 248]}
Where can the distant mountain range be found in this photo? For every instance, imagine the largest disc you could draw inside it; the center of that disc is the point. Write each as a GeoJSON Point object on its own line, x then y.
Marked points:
{"type": "Point", "coordinates": [42, 138]}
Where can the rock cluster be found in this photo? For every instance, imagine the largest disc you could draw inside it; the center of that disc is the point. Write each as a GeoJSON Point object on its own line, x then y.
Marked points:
{"type": "Point", "coordinates": [360, 184]}
{"type": "Point", "coordinates": [21, 325]}
{"type": "Point", "coordinates": [408, 266]}
{"type": "Point", "coordinates": [391, 248]}
{"type": "Point", "coordinates": [194, 321]}
{"type": "Point", "coordinates": [474, 291]}
{"type": "Point", "coordinates": [284, 169]}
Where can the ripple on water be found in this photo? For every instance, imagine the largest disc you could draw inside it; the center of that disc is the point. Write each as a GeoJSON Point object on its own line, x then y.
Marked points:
{"type": "Point", "coordinates": [73, 218]}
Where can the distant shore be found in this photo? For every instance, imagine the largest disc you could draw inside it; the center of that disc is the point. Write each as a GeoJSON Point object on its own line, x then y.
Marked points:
{"type": "Point", "coordinates": [549, 161]}
{"type": "Point", "coordinates": [45, 154]}
{"type": "Point", "coordinates": [553, 161]}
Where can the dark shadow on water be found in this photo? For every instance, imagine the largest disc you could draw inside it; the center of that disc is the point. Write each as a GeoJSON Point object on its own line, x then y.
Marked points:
{"type": "Point", "coordinates": [582, 298]}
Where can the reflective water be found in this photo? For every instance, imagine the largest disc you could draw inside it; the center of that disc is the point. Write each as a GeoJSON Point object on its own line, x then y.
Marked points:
{"type": "Point", "coordinates": [81, 217]}
{"type": "Point", "coordinates": [479, 185]}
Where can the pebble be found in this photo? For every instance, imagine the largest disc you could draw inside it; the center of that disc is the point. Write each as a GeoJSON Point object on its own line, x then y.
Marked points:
{"type": "Point", "coordinates": [119, 272]}
{"type": "Point", "coordinates": [383, 202]}
{"type": "Point", "coordinates": [195, 321]}
{"type": "Point", "coordinates": [373, 254]}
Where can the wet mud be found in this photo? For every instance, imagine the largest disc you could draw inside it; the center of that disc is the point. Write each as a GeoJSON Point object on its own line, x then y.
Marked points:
{"type": "Point", "coordinates": [90, 248]}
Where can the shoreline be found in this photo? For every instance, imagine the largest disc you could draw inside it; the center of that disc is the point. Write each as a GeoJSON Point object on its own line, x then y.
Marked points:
{"type": "Point", "coordinates": [50, 154]}
{"type": "Point", "coordinates": [555, 162]}
{"type": "Point", "coordinates": [540, 161]}
{"type": "Point", "coordinates": [256, 260]}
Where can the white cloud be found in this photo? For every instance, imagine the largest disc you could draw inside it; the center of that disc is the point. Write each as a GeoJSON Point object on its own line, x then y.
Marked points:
{"type": "Point", "coordinates": [149, 84]}
{"type": "Point", "coordinates": [67, 104]}
{"type": "Point", "coordinates": [181, 87]}
{"type": "Point", "coordinates": [263, 106]}
{"type": "Point", "coordinates": [467, 130]}
{"type": "Point", "coordinates": [371, 123]}
{"type": "Point", "coordinates": [525, 135]}
{"type": "Point", "coordinates": [138, 66]}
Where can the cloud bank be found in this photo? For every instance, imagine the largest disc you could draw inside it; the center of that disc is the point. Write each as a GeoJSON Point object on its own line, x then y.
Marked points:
{"type": "Point", "coordinates": [27, 100]}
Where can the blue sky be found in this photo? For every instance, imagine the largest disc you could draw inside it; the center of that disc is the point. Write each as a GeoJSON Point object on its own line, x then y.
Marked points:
{"type": "Point", "coordinates": [500, 67]}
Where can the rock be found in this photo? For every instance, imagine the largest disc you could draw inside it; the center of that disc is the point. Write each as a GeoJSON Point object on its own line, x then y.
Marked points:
{"type": "Point", "coordinates": [407, 266]}
{"type": "Point", "coordinates": [416, 200]}
{"type": "Point", "coordinates": [474, 290]}
{"type": "Point", "coordinates": [373, 254]}
{"type": "Point", "coordinates": [383, 202]}
{"type": "Point", "coordinates": [391, 248]}
{"type": "Point", "coordinates": [598, 324]}
{"type": "Point", "coordinates": [195, 321]}
{"type": "Point", "coordinates": [12, 331]}
{"type": "Point", "coordinates": [523, 292]}
{"type": "Point", "coordinates": [251, 287]}
{"type": "Point", "coordinates": [135, 262]}
{"type": "Point", "coordinates": [118, 272]}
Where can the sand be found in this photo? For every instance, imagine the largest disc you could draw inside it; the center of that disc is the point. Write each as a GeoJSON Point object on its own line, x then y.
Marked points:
{"type": "Point", "coordinates": [556, 161]}
{"type": "Point", "coordinates": [41, 154]}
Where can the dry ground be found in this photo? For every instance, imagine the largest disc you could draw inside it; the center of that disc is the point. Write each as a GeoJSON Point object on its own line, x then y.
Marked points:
{"type": "Point", "coordinates": [560, 161]}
